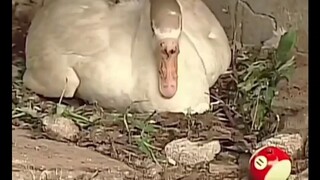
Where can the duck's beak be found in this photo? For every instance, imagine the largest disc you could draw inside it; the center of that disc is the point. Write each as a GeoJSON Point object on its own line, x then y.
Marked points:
{"type": "Point", "coordinates": [168, 67]}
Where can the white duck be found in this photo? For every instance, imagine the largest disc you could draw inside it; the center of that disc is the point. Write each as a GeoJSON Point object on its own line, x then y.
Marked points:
{"type": "Point", "coordinates": [164, 52]}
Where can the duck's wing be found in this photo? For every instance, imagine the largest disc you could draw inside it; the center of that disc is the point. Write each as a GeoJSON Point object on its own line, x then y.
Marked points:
{"type": "Point", "coordinates": [207, 36]}
{"type": "Point", "coordinates": [66, 33]}
{"type": "Point", "coordinates": [73, 26]}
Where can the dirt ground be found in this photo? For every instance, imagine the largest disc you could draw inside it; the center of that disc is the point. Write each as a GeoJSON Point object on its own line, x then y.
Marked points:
{"type": "Point", "coordinates": [49, 159]}
{"type": "Point", "coordinates": [33, 159]}
{"type": "Point", "coordinates": [60, 160]}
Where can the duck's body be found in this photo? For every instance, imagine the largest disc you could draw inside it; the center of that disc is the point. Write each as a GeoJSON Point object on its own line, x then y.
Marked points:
{"type": "Point", "coordinates": [106, 53]}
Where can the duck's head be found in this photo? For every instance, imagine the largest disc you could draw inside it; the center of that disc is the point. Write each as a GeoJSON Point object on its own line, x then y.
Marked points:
{"type": "Point", "coordinates": [166, 24]}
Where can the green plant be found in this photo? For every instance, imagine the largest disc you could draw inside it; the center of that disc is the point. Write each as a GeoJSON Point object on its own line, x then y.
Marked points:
{"type": "Point", "coordinates": [259, 77]}
{"type": "Point", "coordinates": [144, 141]}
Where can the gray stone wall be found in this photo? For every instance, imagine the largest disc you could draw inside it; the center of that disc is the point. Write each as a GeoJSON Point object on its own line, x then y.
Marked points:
{"type": "Point", "coordinates": [255, 20]}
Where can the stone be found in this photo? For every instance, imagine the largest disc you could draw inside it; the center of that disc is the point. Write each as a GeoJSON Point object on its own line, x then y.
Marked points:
{"type": "Point", "coordinates": [60, 128]}
{"type": "Point", "coordinates": [290, 143]}
{"type": "Point", "coordinates": [186, 152]}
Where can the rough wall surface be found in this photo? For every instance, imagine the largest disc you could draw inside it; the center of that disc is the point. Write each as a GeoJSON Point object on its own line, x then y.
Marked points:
{"type": "Point", "coordinates": [255, 20]}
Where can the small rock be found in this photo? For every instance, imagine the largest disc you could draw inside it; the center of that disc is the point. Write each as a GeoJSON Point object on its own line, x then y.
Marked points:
{"type": "Point", "coordinates": [60, 128]}
{"type": "Point", "coordinates": [291, 143]}
{"type": "Point", "coordinates": [172, 161]}
{"type": "Point", "coordinates": [186, 152]}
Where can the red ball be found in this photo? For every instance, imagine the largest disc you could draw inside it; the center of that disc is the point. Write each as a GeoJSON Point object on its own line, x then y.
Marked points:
{"type": "Point", "coordinates": [270, 163]}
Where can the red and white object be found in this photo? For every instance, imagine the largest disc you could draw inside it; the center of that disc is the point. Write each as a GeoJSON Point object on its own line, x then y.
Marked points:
{"type": "Point", "coordinates": [270, 163]}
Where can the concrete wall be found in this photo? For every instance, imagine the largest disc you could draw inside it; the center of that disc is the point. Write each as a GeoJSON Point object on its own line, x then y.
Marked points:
{"type": "Point", "coordinates": [259, 18]}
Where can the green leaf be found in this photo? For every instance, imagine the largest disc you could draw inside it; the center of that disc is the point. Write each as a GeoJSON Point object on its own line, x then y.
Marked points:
{"type": "Point", "coordinates": [144, 126]}
{"type": "Point", "coordinates": [285, 72]}
{"type": "Point", "coordinates": [75, 117]}
{"type": "Point", "coordinates": [286, 65]}
{"type": "Point", "coordinates": [28, 110]}
{"type": "Point", "coordinates": [254, 69]}
{"type": "Point", "coordinates": [141, 142]}
{"type": "Point", "coordinates": [149, 128]}
{"type": "Point", "coordinates": [246, 107]}
{"type": "Point", "coordinates": [248, 85]}
{"type": "Point", "coordinates": [286, 46]}
{"type": "Point", "coordinates": [269, 95]}
{"type": "Point", "coordinates": [261, 112]}
{"type": "Point", "coordinates": [289, 73]}
{"type": "Point", "coordinates": [60, 109]}
{"type": "Point", "coordinates": [139, 125]}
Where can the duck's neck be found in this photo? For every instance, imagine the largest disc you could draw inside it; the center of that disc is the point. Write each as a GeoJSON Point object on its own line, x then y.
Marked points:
{"type": "Point", "coordinates": [165, 17]}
